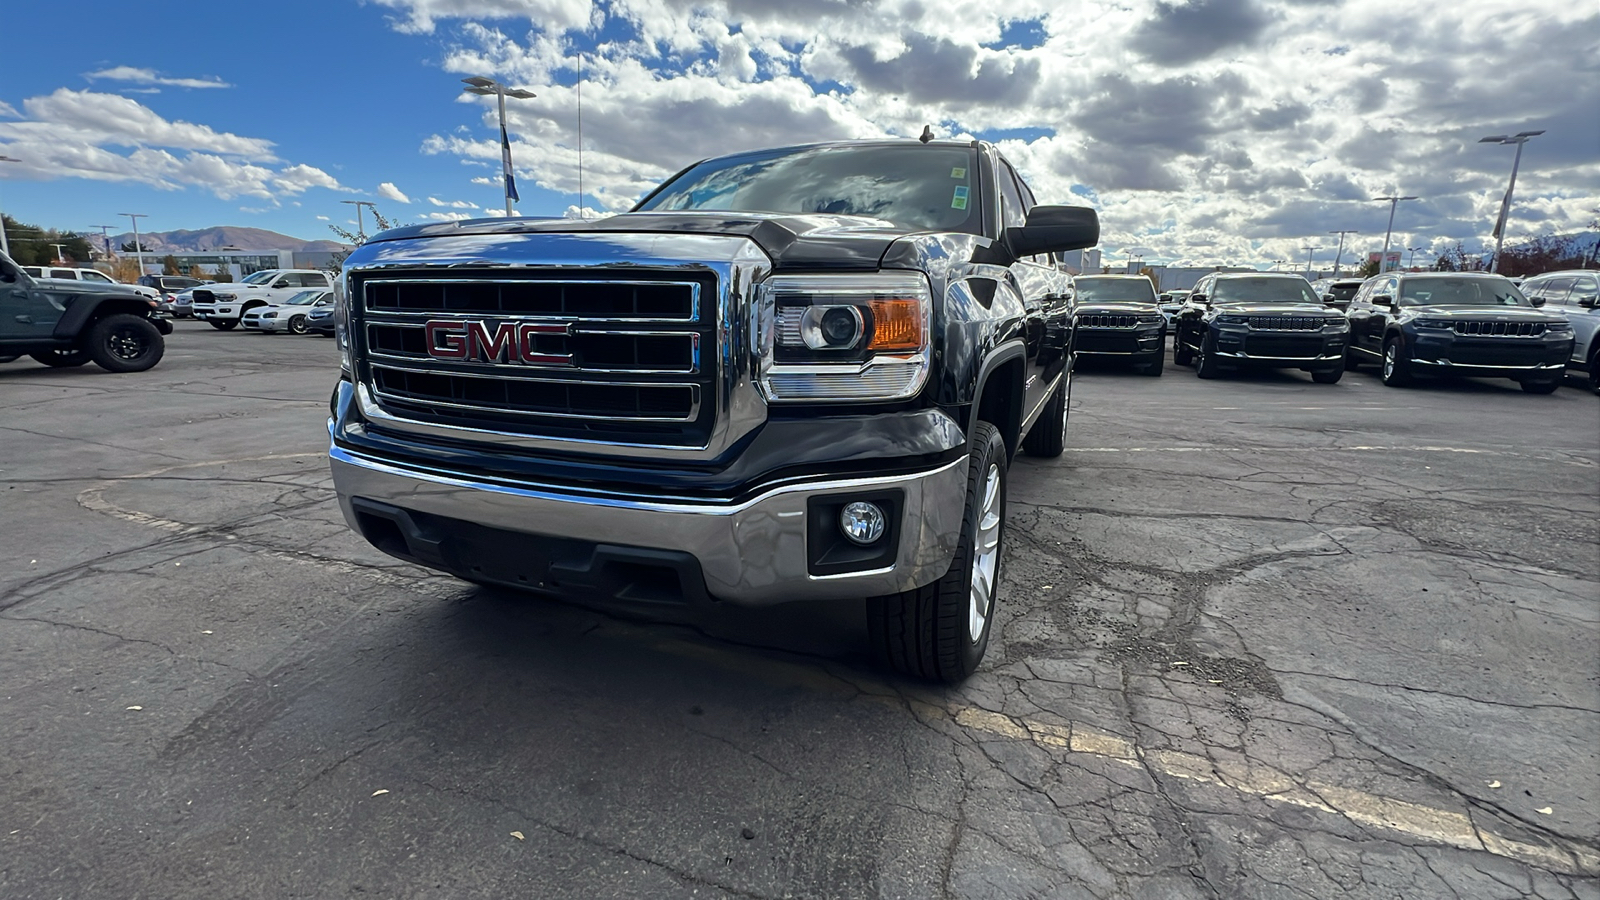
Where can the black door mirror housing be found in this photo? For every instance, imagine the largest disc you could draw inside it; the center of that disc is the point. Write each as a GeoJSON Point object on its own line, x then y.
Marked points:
{"type": "Point", "coordinates": [1536, 302]}
{"type": "Point", "coordinates": [1055, 229]}
{"type": "Point", "coordinates": [1382, 300]}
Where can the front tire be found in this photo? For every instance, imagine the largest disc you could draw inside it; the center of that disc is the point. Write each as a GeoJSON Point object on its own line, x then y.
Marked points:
{"type": "Point", "coordinates": [125, 343]}
{"type": "Point", "coordinates": [1327, 376]}
{"type": "Point", "coordinates": [61, 359]}
{"type": "Point", "coordinates": [1206, 362]}
{"type": "Point", "coordinates": [224, 324]}
{"type": "Point", "coordinates": [1048, 436]}
{"type": "Point", "coordinates": [1542, 387]}
{"type": "Point", "coordinates": [1350, 361]}
{"type": "Point", "coordinates": [1181, 354]}
{"type": "Point", "coordinates": [1156, 364]}
{"type": "Point", "coordinates": [1396, 367]}
{"type": "Point", "coordinates": [297, 324]}
{"type": "Point", "coordinates": [940, 631]}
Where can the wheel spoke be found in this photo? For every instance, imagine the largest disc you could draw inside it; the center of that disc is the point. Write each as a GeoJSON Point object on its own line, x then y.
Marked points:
{"type": "Point", "coordinates": [986, 555]}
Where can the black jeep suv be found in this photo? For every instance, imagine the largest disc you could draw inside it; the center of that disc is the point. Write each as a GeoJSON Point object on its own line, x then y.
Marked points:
{"type": "Point", "coordinates": [1117, 317]}
{"type": "Point", "coordinates": [1261, 320]}
{"type": "Point", "coordinates": [1457, 323]}
{"type": "Point", "coordinates": [790, 374]}
{"type": "Point", "coordinates": [67, 323]}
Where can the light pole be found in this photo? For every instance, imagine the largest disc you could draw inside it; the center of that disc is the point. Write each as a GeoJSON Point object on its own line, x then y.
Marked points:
{"type": "Point", "coordinates": [5, 245]}
{"type": "Point", "coordinates": [485, 87]}
{"type": "Point", "coordinates": [1520, 138]}
{"type": "Point", "coordinates": [1276, 263]}
{"type": "Point", "coordinates": [1383, 258]}
{"type": "Point", "coordinates": [105, 237]}
{"type": "Point", "coordinates": [1310, 250]}
{"type": "Point", "coordinates": [59, 258]}
{"type": "Point", "coordinates": [1412, 262]}
{"type": "Point", "coordinates": [361, 230]}
{"type": "Point", "coordinates": [138, 248]}
{"type": "Point", "coordinates": [1340, 253]}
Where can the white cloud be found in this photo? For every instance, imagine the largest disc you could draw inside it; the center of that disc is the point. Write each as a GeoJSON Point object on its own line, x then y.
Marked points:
{"type": "Point", "coordinates": [135, 75]}
{"type": "Point", "coordinates": [323, 219]}
{"type": "Point", "coordinates": [111, 138]}
{"type": "Point", "coordinates": [1230, 130]}
{"type": "Point", "coordinates": [586, 212]}
{"type": "Point", "coordinates": [447, 216]}
{"type": "Point", "coordinates": [388, 191]}
{"type": "Point", "coordinates": [453, 204]}
{"type": "Point", "coordinates": [8, 110]}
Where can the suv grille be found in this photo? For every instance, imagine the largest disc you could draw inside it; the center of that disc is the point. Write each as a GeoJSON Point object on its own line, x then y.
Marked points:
{"type": "Point", "coordinates": [1491, 326]}
{"type": "Point", "coordinates": [1287, 323]}
{"type": "Point", "coordinates": [614, 356]}
{"type": "Point", "coordinates": [1106, 321]}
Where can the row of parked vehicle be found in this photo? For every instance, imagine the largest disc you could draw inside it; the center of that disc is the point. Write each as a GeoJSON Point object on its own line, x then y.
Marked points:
{"type": "Point", "coordinates": [297, 301]}
{"type": "Point", "coordinates": [1407, 324]}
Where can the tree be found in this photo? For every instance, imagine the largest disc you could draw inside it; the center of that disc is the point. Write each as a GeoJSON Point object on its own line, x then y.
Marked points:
{"type": "Point", "coordinates": [357, 238]}
{"type": "Point", "coordinates": [1367, 269]}
{"type": "Point", "coordinates": [169, 266]}
{"type": "Point", "coordinates": [34, 246]}
{"type": "Point", "coordinates": [221, 275]}
{"type": "Point", "coordinates": [197, 272]}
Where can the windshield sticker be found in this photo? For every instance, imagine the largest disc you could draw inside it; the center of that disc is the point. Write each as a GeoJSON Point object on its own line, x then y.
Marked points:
{"type": "Point", "coordinates": [959, 200]}
{"type": "Point", "coordinates": [958, 172]}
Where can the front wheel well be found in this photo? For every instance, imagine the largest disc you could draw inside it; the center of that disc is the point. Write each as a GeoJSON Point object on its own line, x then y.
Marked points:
{"type": "Point", "coordinates": [1001, 402]}
{"type": "Point", "coordinates": [111, 307]}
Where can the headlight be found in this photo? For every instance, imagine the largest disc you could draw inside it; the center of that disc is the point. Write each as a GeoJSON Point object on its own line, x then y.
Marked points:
{"type": "Point", "coordinates": [341, 325]}
{"type": "Point", "coordinates": [270, 315]}
{"type": "Point", "coordinates": [1434, 323]}
{"type": "Point", "coordinates": [225, 296]}
{"type": "Point", "coordinates": [1232, 320]}
{"type": "Point", "coordinates": [1558, 325]}
{"type": "Point", "coordinates": [1151, 320]}
{"type": "Point", "coordinates": [844, 337]}
{"type": "Point", "coordinates": [1337, 323]}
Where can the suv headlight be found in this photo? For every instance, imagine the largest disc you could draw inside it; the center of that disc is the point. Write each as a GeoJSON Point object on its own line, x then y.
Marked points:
{"type": "Point", "coordinates": [1337, 323]}
{"type": "Point", "coordinates": [1433, 323]}
{"type": "Point", "coordinates": [225, 296]}
{"type": "Point", "coordinates": [1232, 320]}
{"type": "Point", "coordinates": [859, 336]}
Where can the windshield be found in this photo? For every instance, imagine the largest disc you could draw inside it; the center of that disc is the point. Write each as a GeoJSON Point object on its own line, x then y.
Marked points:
{"type": "Point", "coordinates": [304, 298]}
{"type": "Point", "coordinates": [1445, 290]}
{"type": "Point", "coordinates": [912, 185]}
{"type": "Point", "coordinates": [1115, 290]}
{"type": "Point", "coordinates": [258, 277]}
{"type": "Point", "coordinates": [1263, 290]}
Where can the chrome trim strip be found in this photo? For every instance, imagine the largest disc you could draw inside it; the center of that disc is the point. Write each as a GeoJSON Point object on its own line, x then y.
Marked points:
{"type": "Point", "coordinates": [1034, 416]}
{"type": "Point", "coordinates": [1445, 363]}
{"type": "Point", "coordinates": [694, 367]}
{"type": "Point", "coordinates": [694, 298]}
{"type": "Point", "coordinates": [609, 417]}
{"type": "Point", "coordinates": [1288, 359]}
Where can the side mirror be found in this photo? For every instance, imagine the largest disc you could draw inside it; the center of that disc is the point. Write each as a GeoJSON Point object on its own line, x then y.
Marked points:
{"type": "Point", "coordinates": [1586, 302]}
{"type": "Point", "coordinates": [1536, 302]}
{"type": "Point", "coordinates": [1055, 228]}
{"type": "Point", "coordinates": [1382, 300]}
{"type": "Point", "coordinates": [1199, 298]}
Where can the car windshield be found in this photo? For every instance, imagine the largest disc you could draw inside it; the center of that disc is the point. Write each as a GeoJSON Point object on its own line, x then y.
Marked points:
{"type": "Point", "coordinates": [912, 185]}
{"type": "Point", "coordinates": [1263, 290]}
{"type": "Point", "coordinates": [1343, 290]}
{"type": "Point", "coordinates": [304, 298]}
{"type": "Point", "coordinates": [1115, 290]}
{"type": "Point", "coordinates": [258, 277]}
{"type": "Point", "coordinates": [1446, 290]}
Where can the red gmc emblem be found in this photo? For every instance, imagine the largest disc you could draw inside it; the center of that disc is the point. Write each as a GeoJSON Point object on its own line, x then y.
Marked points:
{"type": "Point", "coordinates": [508, 342]}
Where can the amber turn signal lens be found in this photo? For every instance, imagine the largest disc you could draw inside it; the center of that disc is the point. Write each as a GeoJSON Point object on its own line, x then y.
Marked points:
{"type": "Point", "coordinates": [896, 325]}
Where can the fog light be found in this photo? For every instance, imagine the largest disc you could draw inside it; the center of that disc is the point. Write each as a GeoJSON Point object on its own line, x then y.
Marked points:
{"type": "Point", "coordinates": [861, 522]}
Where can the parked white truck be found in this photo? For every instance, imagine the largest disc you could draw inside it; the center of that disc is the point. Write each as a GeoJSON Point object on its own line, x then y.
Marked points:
{"type": "Point", "coordinates": [224, 305]}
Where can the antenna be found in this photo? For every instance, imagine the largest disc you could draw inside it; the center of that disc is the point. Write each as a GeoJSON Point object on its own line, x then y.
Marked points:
{"type": "Point", "coordinates": [927, 134]}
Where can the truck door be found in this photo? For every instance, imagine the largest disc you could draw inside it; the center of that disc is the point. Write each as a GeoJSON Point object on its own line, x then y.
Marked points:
{"type": "Point", "coordinates": [1036, 281]}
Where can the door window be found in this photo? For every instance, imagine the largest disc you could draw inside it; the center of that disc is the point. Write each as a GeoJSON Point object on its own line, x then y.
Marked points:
{"type": "Point", "coordinates": [315, 279]}
{"type": "Point", "coordinates": [1012, 211]}
{"type": "Point", "coordinates": [64, 273]}
{"type": "Point", "coordinates": [1555, 291]}
{"type": "Point", "coordinates": [96, 276]}
{"type": "Point", "coordinates": [1584, 290]}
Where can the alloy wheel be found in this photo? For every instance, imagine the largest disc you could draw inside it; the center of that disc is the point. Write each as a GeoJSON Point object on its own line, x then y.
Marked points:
{"type": "Point", "coordinates": [986, 556]}
{"type": "Point", "coordinates": [127, 343]}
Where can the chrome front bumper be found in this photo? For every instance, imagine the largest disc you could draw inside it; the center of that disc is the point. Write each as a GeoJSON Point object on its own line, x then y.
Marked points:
{"type": "Point", "coordinates": [1534, 369]}
{"type": "Point", "coordinates": [1287, 360]}
{"type": "Point", "coordinates": [752, 552]}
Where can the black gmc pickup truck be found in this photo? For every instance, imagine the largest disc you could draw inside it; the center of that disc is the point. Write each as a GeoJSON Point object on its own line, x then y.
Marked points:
{"type": "Point", "coordinates": [790, 374]}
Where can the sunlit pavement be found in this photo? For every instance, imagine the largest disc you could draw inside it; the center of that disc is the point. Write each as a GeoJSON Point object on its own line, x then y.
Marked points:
{"type": "Point", "coordinates": [1259, 637]}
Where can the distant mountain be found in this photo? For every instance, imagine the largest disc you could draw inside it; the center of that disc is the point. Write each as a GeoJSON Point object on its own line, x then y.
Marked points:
{"type": "Point", "coordinates": [221, 236]}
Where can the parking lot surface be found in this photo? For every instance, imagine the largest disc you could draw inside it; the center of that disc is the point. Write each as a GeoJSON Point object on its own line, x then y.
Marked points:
{"type": "Point", "coordinates": [1259, 637]}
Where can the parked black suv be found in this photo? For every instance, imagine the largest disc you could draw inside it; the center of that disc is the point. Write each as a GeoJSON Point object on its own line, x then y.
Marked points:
{"type": "Point", "coordinates": [1457, 323]}
{"type": "Point", "coordinates": [1260, 320]}
{"type": "Point", "coordinates": [1117, 317]}
{"type": "Point", "coordinates": [68, 323]}
{"type": "Point", "coordinates": [789, 374]}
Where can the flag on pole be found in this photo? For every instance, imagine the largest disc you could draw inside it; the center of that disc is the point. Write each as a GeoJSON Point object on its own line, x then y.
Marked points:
{"type": "Point", "coordinates": [505, 156]}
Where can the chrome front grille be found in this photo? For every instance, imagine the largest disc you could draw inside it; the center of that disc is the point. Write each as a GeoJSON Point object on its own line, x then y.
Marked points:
{"type": "Point", "coordinates": [1286, 323]}
{"type": "Point", "coordinates": [1107, 321]}
{"type": "Point", "coordinates": [584, 357]}
{"type": "Point", "coordinates": [1498, 327]}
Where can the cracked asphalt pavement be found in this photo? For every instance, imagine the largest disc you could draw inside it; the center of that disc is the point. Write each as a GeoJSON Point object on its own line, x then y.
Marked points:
{"type": "Point", "coordinates": [1258, 637]}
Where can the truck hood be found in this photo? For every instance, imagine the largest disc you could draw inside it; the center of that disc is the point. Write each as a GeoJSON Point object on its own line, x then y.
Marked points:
{"type": "Point", "coordinates": [1481, 313]}
{"type": "Point", "coordinates": [791, 241]}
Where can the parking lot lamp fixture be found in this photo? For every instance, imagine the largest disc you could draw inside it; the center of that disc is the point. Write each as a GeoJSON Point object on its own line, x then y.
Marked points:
{"type": "Point", "coordinates": [138, 248]}
{"type": "Point", "coordinates": [1383, 258]}
{"type": "Point", "coordinates": [5, 246]}
{"type": "Point", "coordinates": [1310, 251]}
{"type": "Point", "coordinates": [59, 258]}
{"type": "Point", "coordinates": [105, 237]}
{"type": "Point", "coordinates": [1339, 254]}
{"type": "Point", "coordinates": [1412, 262]}
{"type": "Point", "coordinates": [361, 229]}
{"type": "Point", "coordinates": [1520, 138]}
{"type": "Point", "coordinates": [485, 87]}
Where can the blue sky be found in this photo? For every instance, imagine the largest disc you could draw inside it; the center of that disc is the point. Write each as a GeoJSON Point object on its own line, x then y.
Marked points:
{"type": "Point", "coordinates": [1203, 130]}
